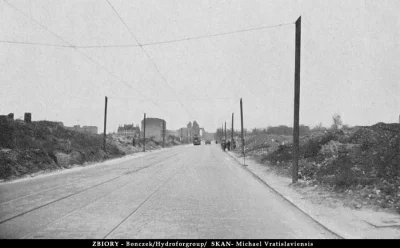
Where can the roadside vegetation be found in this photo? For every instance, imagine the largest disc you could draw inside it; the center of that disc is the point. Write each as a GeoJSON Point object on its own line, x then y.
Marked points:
{"type": "Point", "coordinates": [362, 161]}
{"type": "Point", "coordinates": [28, 148]}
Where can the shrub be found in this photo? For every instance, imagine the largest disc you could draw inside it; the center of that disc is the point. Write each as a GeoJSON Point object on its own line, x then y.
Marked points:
{"type": "Point", "coordinates": [283, 153]}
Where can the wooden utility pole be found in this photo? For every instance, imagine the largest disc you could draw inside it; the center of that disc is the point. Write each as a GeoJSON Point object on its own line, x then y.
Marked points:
{"type": "Point", "coordinates": [295, 166]}
{"type": "Point", "coordinates": [105, 125]}
{"type": "Point", "coordinates": [241, 120]}
{"type": "Point", "coordinates": [144, 132]}
{"type": "Point", "coordinates": [225, 132]}
{"type": "Point", "coordinates": [222, 131]}
{"type": "Point", "coordinates": [232, 134]}
{"type": "Point", "coordinates": [163, 139]}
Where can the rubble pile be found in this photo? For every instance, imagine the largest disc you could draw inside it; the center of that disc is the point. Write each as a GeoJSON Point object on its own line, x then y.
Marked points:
{"type": "Point", "coordinates": [43, 146]}
{"type": "Point", "coordinates": [257, 145]}
{"type": "Point", "coordinates": [127, 145]}
{"type": "Point", "coordinates": [365, 158]}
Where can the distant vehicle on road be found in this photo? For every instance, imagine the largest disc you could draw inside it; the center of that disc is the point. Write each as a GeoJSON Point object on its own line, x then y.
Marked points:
{"type": "Point", "coordinates": [196, 140]}
{"type": "Point", "coordinates": [208, 142]}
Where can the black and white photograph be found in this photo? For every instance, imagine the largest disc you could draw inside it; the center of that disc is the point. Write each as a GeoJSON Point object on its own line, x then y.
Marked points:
{"type": "Point", "coordinates": [238, 123]}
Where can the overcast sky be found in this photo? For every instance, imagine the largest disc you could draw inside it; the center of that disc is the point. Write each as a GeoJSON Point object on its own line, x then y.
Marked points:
{"type": "Point", "coordinates": [350, 61]}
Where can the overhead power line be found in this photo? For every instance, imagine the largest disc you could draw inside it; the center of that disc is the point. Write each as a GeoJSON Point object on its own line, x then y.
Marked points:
{"type": "Point", "coordinates": [175, 100]}
{"type": "Point", "coordinates": [217, 34]}
{"type": "Point", "coordinates": [141, 45]}
{"type": "Point", "coordinates": [31, 43]}
{"type": "Point", "coordinates": [107, 46]}
{"type": "Point", "coordinates": [191, 38]}
{"type": "Point", "coordinates": [147, 55]}
{"type": "Point", "coordinates": [158, 42]}
{"type": "Point", "coordinates": [83, 54]}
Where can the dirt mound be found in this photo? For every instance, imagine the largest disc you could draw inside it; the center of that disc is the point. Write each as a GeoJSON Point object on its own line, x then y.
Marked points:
{"type": "Point", "coordinates": [127, 145]}
{"type": "Point", "coordinates": [366, 158]}
{"type": "Point", "coordinates": [380, 146]}
{"type": "Point", "coordinates": [257, 145]}
{"type": "Point", "coordinates": [309, 147]}
{"type": "Point", "coordinates": [376, 134]}
{"type": "Point", "coordinates": [27, 148]}
{"type": "Point", "coordinates": [17, 163]}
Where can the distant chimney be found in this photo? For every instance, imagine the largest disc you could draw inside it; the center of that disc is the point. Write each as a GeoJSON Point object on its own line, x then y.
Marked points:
{"type": "Point", "coordinates": [28, 117]}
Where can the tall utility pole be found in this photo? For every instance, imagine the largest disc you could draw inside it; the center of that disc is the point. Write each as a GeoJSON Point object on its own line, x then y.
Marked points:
{"type": "Point", "coordinates": [225, 132]}
{"type": "Point", "coordinates": [144, 132]}
{"type": "Point", "coordinates": [105, 125]}
{"type": "Point", "coordinates": [295, 166]}
{"type": "Point", "coordinates": [163, 138]}
{"type": "Point", "coordinates": [241, 119]}
{"type": "Point", "coordinates": [232, 134]}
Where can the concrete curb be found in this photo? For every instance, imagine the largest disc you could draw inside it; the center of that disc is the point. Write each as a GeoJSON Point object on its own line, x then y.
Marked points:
{"type": "Point", "coordinates": [283, 196]}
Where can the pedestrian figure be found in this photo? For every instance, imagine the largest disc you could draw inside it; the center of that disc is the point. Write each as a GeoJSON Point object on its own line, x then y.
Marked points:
{"type": "Point", "coordinates": [228, 145]}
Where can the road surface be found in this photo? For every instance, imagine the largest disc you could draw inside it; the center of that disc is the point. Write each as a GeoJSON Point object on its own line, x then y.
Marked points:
{"type": "Point", "coordinates": [182, 192]}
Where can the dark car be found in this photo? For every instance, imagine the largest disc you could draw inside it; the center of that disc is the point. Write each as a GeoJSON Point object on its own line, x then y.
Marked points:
{"type": "Point", "coordinates": [208, 142]}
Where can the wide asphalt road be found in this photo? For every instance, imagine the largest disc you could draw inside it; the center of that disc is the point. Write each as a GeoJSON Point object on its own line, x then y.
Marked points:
{"type": "Point", "coordinates": [181, 192]}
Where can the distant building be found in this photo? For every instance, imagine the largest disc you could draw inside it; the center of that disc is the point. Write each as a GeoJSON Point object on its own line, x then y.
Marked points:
{"type": "Point", "coordinates": [89, 129]}
{"type": "Point", "coordinates": [190, 130]}
{"type": "Point", "coordinates": [84, 129]}
{"type": "Point", "coordinates": [183, 133]}
{"type": "Point", "coordinates": [176, 133]}
{"type": "Point", "coordinates": [128, 130]}
{"type": "Point", "coordinates": [155, 129]}
{"type": "Point", "coordinates": [195, 128]}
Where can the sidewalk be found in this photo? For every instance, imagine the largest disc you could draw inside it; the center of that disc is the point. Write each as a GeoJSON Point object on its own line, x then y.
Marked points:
{"type": "Point", "coordinates": [344, 221]}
